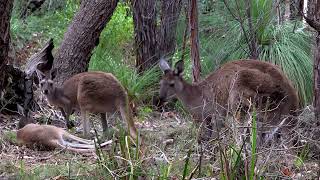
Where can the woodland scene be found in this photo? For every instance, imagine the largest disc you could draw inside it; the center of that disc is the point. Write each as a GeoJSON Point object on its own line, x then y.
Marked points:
{"type": "Point", "coordinates": [160, 89]}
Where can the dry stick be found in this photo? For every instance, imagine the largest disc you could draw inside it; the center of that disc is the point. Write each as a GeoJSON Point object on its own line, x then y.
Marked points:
{"type": "Point", "coordinates": [200, 159]}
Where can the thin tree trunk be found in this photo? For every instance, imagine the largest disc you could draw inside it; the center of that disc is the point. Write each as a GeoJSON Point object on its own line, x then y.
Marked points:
{"type": "Point", "coordinates": [144, 18]}
{"type": "Point", "coordinates": [81, 37]}
{"type": "Point", "coordinates": [313, 19]}
{"type": "Point", "coordinates": [186, 30]}
{"type": "Point", "coordinates": [316, 80]}
{"type": "Point", "coordinates": [278, 11]}
{"type": "Point", "coordinates": [195, 56]}
{"type": "Point", "coordinates": [170, 11]}
{"type": "Point", "coordinates": [253, 43]}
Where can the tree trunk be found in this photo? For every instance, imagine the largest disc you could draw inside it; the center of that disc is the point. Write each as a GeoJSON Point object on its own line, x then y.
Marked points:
{"type": "Point", "coordinates": [296, 7]}
{"type": "Point", "coordinates": [5, 9]}
{"type": "Point", "coordinates": [170, 11]}
{"type": "Point", "coordinates": [252, 34]}
{"type": "Point", "coordinates": [144, 18]}
{"type": "Point", "coordinates": [313, 19]}
{"type": "Point", "coordinates": [287, 9]}
{"type": "Point", "coordinates": [194, 38]}
{"type": "Point", "coordinates": [81, 37]}
{"type": "Point", "coordinates": [316, 74]}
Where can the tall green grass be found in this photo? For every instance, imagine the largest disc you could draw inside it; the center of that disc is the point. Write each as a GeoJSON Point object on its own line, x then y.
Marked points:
{"type": "Point", "coordinates": [140, 87]}
{"type": "Point", "coordinates": [114, 55]}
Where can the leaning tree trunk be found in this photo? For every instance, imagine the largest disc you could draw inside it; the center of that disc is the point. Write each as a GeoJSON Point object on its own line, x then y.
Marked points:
{"type": "Point", "coordinates": [194, 38]}
{"type": "Point", "coordinates": [313, 19]}
{"type": "Point", "coordinates": [81, 37]}
{"type": "Point", "coordinates": [170, 11]}
{"type": "Point", "coordinates": [144, 18]}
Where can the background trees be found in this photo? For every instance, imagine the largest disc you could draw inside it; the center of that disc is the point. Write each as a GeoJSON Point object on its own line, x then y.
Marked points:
{"type": "Point", "coordinates": [227, 30]}
{"type": "Point", "coordinates": [127, 38]}
{"type": "Point", "coordinates": [152, 41]}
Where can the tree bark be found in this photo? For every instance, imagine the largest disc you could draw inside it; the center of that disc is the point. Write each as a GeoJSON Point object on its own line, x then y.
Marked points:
{"type": "Point", "coordinates": [313, 19]}
{"type": "Point", "coordinates": [194, 38]}
{"type": "Point", "coordinates": [144, 18]}
{"type": "Point", "coordinates": [252, 34]}
{"type": "Point", "coordinates": [5, 9]}
{"type": "Point", "coordinates": [81, 37]}
{"type": "Point", "coordinates": [287, 9]}
{"type": "Point", "coordinates": [170, 11]}
{"type": "Point", "coordinates": [296, 7]}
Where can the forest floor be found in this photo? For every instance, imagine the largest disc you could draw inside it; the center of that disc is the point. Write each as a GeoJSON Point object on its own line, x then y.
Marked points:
{"type": "Point", "coordinates": [169, 138]}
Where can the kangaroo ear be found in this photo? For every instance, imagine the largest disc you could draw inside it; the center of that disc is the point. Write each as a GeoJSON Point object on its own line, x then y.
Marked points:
{"type": "Point", "coordinates": [179, 67]}
{"type": "Point", "coordinates": [164, 66]}
{"type": "Point", "coordinates": [53, 74]}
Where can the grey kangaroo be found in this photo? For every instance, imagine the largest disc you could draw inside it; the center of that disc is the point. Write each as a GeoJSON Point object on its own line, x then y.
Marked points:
{"type": "Point", "coordinates": [95, 92]}
{"type": "Point", "coordinates": [234, 87]}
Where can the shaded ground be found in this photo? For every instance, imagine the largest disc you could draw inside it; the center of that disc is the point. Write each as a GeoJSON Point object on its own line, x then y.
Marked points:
{"type": "Point", "coordinates": [169, 138]}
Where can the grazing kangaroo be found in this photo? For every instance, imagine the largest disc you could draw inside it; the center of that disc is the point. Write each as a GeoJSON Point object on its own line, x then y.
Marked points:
{"type": "Point", "coordinates": [234, 87]}
{"type": "Point", "coordinates": [50, 137]}
{"type": "Point", "coordinates": [95, 92]}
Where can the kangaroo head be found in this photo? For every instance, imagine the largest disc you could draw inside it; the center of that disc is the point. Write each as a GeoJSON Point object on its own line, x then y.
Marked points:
{"type": "Point", "coordinates": [47, 84]}
{"type": "Point", "coordinates": [172, 81]}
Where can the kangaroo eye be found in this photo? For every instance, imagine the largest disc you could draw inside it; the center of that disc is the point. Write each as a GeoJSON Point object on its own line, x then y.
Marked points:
{"type": "Point", "coordinates": [171, 85]}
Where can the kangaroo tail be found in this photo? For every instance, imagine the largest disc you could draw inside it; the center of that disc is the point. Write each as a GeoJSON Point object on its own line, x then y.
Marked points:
{"type": "Point", "coordinates": [75, 138]}
{"type": "Point", "coordinates": [80, 147]}
{"type": "Point", "coordinates": [127, 116]}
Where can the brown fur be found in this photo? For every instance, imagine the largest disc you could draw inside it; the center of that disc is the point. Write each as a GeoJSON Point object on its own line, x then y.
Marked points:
{"type": "Point", "coordinates": [231, 86]}
{"type": "Point", "coordinates": [50, 137]}
{"type": "Point", "coordinates": [95, 92]}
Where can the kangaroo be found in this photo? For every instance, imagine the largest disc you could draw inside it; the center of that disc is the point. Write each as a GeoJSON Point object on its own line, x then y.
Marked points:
{"type": "Point", "coordinates": [50, 137]}
{"type": "Point", "coordinates": [235, 86]}
{"type": "Point", "coordinates": [95, 92]}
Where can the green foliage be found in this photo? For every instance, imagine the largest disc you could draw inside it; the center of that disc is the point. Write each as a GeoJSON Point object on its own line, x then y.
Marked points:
{"type": "Point", "coordinates": [285, 45]}
{"type": "Point", "coordinates": [139, 87]}
{"type": "Point", "coordinates": [117, 35]}
{"type": "Point", "coordinates": [50, 25]}
{"type": "Point", "coordinates": [109, 56]}
{"type": "Point", "coordinates": [10, 136]}
{"type": "Point", "coordinates": [300, 160]}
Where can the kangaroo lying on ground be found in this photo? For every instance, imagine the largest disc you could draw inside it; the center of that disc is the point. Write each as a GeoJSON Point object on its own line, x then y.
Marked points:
{"type": "Point", "coordinates": [234, 87]}
{"type": "Point", "coordinates": [95, 92]}
{"type": "Point", "coordinates": [50, 137]}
